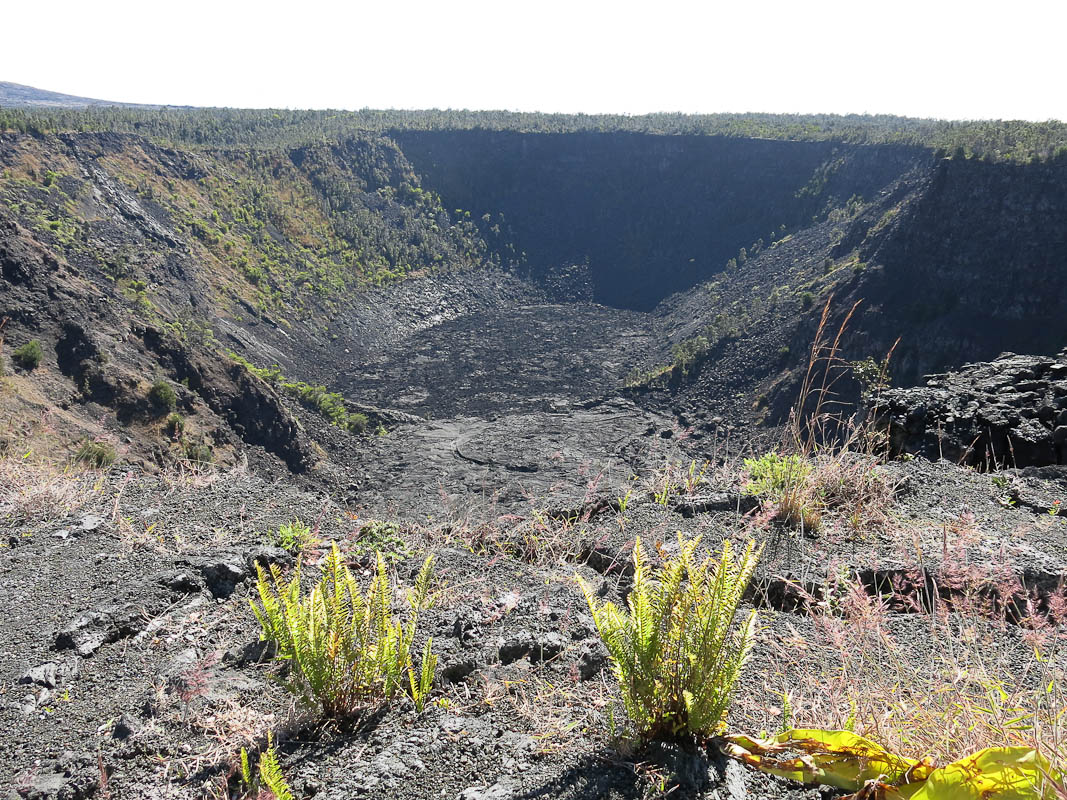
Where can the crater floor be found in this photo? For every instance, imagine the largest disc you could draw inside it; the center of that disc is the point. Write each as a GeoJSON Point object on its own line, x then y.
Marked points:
{"type": "Point", "coordinates": [517, 358]}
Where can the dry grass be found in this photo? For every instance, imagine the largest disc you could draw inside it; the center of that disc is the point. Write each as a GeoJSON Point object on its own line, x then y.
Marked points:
{"type": "Point", "coordinates": [941, 684]}
{"type": "Point", "coordinates": [941, 680]}
{"type": "Point", "coordinates": [843, 491]}
{"type": "Point", "coordinates": [826, 474]}
{"type": "Point", "coordinates": [36, 492]}
{"type": "Point", "coordinates": [560, 712]}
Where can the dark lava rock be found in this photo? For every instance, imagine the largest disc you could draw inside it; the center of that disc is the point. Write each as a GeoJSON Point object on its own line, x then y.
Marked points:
{"type": "Point", "coordinates": [693, 772]}
{"type": "Point", "coordinates": [456, 671]}
{"type": "Point", "coordinates": [685, 769]}
{"type": "Point", "coordinates": [540, 647]}
{"type": "Point", "coordinates": [1008, 412]}
{"type": "Point", "coordinates": [265, 555]}
{"type": "Point", "coordinates": [89, 631]}
{"type": "Point", "coordinates": [223, 573]}
{"type": "Point", "coordinates": [254, 652]}
{"type": "Point", "coordinates": [715, 501]}
{"type": "Point", "coordinates": [593, 659]}
{"type": "Point", "coordinates": [181, 582]}
{"type": "Point", "coordinates": [125, 727]}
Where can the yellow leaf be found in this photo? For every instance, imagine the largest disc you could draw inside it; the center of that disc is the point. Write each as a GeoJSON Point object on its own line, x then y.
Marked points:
{"type": "Point", "coordinates": [847, 761]}
{"type": "Point", "coordinates": [834, 758]}
{"type": "Point", "coordinates": [996, 773]}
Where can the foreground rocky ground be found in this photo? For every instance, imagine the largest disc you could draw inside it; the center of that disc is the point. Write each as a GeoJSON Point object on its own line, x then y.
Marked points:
{"type": "Point", "coordinates": [131, 667]}
{"type": "Point", "coordinates": [130, 662]}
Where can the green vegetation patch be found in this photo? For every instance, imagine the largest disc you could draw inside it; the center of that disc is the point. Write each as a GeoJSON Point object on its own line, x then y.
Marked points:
{"type": "Point", "coordinates": [329, 405]}
{"type": "Point", "coordinates": [163, 396]}
{"type": "Point", "coordinates": [29, 355]}
{"type": "Point", "coordinates": [343, 645]}
{"type": "Point", "coordinates": [676, 649]}
{"type": "Point", "coordinates": [95, 454]}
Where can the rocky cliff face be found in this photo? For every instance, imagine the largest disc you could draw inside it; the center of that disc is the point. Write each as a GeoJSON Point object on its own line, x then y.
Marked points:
{"type": "Point", "coordinates": [976, 264]}
{"type": "Point", "coordinates": [650, 215]}
{"type": "Point", "coordinates": [1008, 412]}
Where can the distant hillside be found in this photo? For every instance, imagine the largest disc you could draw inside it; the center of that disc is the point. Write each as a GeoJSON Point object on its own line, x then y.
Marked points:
{"type": "Point", "coordinates": [30, 110]}
{"type": "Point", "coordinates": [15, 95]}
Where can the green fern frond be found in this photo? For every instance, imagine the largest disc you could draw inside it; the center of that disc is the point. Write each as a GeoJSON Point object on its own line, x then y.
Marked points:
{"type": "Point", "coordinates": [247, 779]}
{"type": "Point", "coordinates": [420, 689]}
{"type": "Point", "coordinates": [677, 650]}
{"type": "Point", "coordinates": [270, 773]}
{"type": "Point", "coordinates": [344, 645]}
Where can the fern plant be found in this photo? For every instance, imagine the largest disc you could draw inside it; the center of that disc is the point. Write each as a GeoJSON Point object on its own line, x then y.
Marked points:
{"type": "Point", "coordinates": [294, 536]}
{"type": "Point", "coordinates": [345, 647]}
{"type": "Point", "coordinates": [677, 651]}
{"type": "Point", "coordinates": [267, 776]}
{"type": "Point", "coordinates": [774, 475]}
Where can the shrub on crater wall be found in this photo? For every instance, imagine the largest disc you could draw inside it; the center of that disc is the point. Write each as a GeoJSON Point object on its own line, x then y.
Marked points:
{"type": "Point", "coordinates": [199, 452]}
{"type": "Point", "coordinates": [175, 425]}
{"type": "Point", "coordinates": [162, 396]}
{"type": "Point", "coordinates": [29, 355]}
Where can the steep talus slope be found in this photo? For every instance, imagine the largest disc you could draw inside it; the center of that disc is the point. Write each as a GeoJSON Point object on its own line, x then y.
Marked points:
{"type": "Point", "coordinates": [959, 262]}
{"type": "Point", "coordinates": [99, 362]}
{"type": "Point", "coordinates": [133, 263]}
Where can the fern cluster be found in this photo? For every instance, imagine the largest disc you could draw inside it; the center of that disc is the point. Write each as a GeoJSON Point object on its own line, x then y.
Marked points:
{"type": "Point", "coordinates": [345, 647]}
{"type": "Point", "coordinates": [774, 475]}
{"type": "Point", "coordinates": [294, 536]}
{"type": "Point", "coordinates": [677, 652]}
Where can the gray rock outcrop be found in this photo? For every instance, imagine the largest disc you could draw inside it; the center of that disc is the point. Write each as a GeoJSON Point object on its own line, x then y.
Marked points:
{"type": "Point", "coordinates": [1009, 412]}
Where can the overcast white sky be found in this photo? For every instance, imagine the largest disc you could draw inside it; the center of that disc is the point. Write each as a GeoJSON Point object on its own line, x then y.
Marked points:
{"type": "Point", "coordinates": [937, 58]}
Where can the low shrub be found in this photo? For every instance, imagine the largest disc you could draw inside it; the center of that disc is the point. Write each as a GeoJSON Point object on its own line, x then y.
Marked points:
{"type": "Point", "coordinates": [677, 651]}
{"type": "Point", "coordinates": [773, 474]}
{"type": "Point", "coordinates": [783, 481]}
{"type": "Point", "coordinates": [801, 491]}
{"type": "Point", "coordinates": [199, 452]}
{"type": "Point", "coordinates": [175, 425]}
{"type": "Point", "coordinates": [95, 454]}
{"type": "Point", "coordinates": [294, 536]}
{"type": "Point", "coordinates": [345, 647]}
{"type": "Point", "coordinates": [376, 536]}
{"type": "Point", "coordinates": [29, 355]}
{"type": "Point", "coordinates": [162, 395]}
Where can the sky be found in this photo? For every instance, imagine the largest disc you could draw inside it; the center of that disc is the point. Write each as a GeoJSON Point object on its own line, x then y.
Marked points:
{"type": "Point", "coordinates": [937, 58]}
